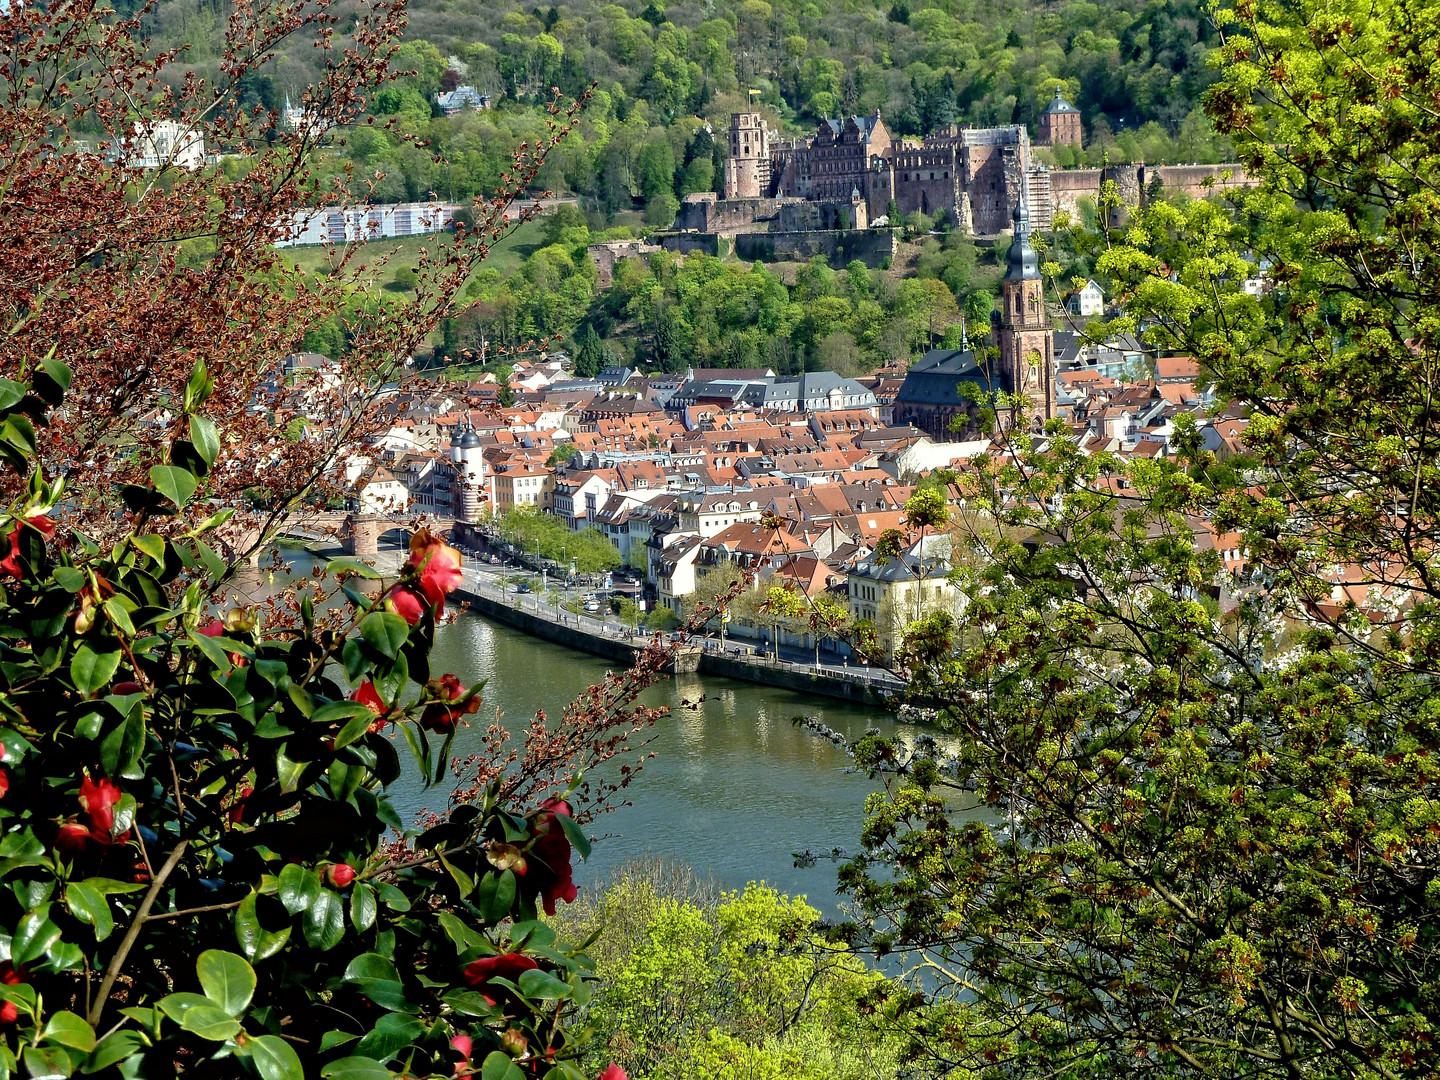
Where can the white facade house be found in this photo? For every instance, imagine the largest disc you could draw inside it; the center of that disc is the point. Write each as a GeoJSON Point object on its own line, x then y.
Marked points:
{"type": "Point", "coordinates": [1087, 302]}
{"type": "Point", "coordinates": [162, 144]}
{"type": "Point", "coordinates": [350, 224]}
{"type": "Point", "coordinates": [377, 491]}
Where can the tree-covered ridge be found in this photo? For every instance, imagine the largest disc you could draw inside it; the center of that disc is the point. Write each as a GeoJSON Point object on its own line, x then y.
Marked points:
{"type": "Point", "coordinates": [667, 79]}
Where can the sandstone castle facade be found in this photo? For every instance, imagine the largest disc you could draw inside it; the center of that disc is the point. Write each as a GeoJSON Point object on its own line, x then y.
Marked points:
{"type": "Point", "coordinates": [975, 175]}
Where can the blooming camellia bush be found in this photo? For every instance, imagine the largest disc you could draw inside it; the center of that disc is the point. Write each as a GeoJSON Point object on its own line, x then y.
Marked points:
{"type": "Point", "coordinates": [194, 873]}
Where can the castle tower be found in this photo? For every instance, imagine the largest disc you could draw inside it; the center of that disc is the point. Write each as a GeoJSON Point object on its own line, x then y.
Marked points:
{"type": "Point", "coordinates": [1059, 124]}
{"type": "Point", "coordinates": [747, 165]}
{"type": "Point", "coordinates": [469, 461]}
{"type": "Point", "coordinates": [1025, 336]}
{"type": "Point", "coordinates": [859, 212]}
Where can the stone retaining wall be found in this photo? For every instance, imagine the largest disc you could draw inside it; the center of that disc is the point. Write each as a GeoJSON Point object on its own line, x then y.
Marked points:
{"type": "Point", "coordinates": [687, 659]}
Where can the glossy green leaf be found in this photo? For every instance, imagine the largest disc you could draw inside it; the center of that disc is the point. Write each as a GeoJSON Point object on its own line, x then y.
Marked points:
{"type": "Point", "coordinates": [385, 632]}
{"type": "Point", "coordinates": [34, 935]}
{"type": "Point", "coordinates": [459, 933]}
{"type": "Point", "coordinates": [255, 941]}
{"type": "Point", "coordinates": [89, 905]}
{"type": "Point", "coordinates": [210, 1022]}
{"type": "Point", "coordinates": [463, 881]}
{"type": "Point", "coordinates": [119, 613]}
{"type": "Point", "coordinates": [324, 921]}
{"type": "Point", "coordinates": [205, 439]}
{"type": "Point", "coordinates": [468, 1003]}
{"type": "Point", "coordinates": [175, 1006]}
{"type": "Point", "coordinates": [91, 670]}
{"type": "Point", "coordinates": [115, 1048]}
{"type": "Point", "coordinates": [362, 907]}
{"type": "Point", "coordinates": [212, 649]}
{"type": "Point", "coordinates": [542, 986]}
{"type": "Point", "coordinates": [391, 1034]}
{"type": "Point", "coordinates": [51, 379]}
{"type": "Point", "coordinates": [47, 1062]}
{"type": "Point", "coordinates": [371, 966]}
{"type": "Point", "coordinates": [19, 433]}
{"type": "Point", "coordinates": [353, 566]}
{"type": "Point", "coordinates": [120, 749]}
{"type": "Point", "coordinates": [175, 483]}
{"type": "Point", "coordinates": [578, 840]}
{"type": "Point", "coordinates": [499, 1066]}
{"type": "Point", "coordinates": [69, 1030]}
{"type": "Point", "coordinates": [340, 710]}
{"type": "Point", "coordinates": [214, 565]}
{"type": "Point", "coordinates": [227, 979]}
{"type": "Point", "coordinates": [11, 393]}
{"type": "Point", "coordinates": [386, 993]}
{"type": "Point", "coordinates": [356, 1068]}
{"type": "Point", "coordinates": [354, 728]}
{"type": "Point", "coordinates": [299, 888]}
{"type": "Point", "coordinates": [392, 897]}
{"type": "Point", "coordinates": [199, 387]}
{"type": "Point", "coordinates": [275, 1058]}
{"type": "Point", "coordinates": [331, 1039]}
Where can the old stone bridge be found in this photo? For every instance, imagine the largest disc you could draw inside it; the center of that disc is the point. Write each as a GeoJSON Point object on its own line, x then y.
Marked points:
{"type": "Point", "coordinates": [356, 534]}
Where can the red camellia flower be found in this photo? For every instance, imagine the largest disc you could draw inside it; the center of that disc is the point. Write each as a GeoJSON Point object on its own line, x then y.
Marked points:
{"type": "Point", "coordinates": [408, 604]}
{"type": "Point", "coordinates": [213, 628]}
{"type": "Point", "coordinates": [98, 801]}
{"type": "Point", "coordinates": [72, 839]}
{"type": "Point", "coordinates": [367, 695]}
{"type": "Point", "coordinates": [4, 776]}
{"type": "Point", "coordinates": [613, 1072]}
{"type": "Point", "coordinates": [463, 1045]}
{"type": "Point", "coordinates": [437, 564]}
{"type": "Point", "coordinates": [478, 974]}
{"type": "Point", "coordinates": [11, 563]}
{"type": "Point", "coordinates": [438, 716]}
{"type": "Point", "coordinates": [10, 975]}
{"type": "Point", "coordinates": [341, 875]}
{"type": "Point", "coordinates": [237, 809]}
{"type": "Point", "coordinates": [547, 872]}
{"type": "Point", "coordinates": [120, 689]}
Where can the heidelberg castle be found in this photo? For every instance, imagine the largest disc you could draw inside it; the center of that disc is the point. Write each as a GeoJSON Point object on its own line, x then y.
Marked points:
{"type": "Point", "coordinates": [976, 175]}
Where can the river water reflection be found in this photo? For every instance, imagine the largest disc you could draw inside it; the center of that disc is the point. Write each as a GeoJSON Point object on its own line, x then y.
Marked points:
{"type": "Point", "coordinates": [735, 787]}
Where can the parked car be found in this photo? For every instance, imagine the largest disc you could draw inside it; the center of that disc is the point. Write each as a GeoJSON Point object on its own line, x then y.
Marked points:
{"type": "Point", "coordinates": [592, 606]}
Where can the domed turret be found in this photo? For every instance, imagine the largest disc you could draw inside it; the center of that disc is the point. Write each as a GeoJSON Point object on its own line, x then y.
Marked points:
{"type": "Point", "coordinates": [1023, 262]}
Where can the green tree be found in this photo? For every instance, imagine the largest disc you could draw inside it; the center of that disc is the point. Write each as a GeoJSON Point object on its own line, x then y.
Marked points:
{"type": "Point", "coordinates": [590, 354]}
{"type": "Point", "coordinates": [562, 453]}
{"type": "Point", "coordinates": [661, 210]}
{"type": "Point", "coordinates": [655, 169]}
{"type": "Point", "coordinates": [694, 983]}
{"type": "Point", "coordinates": [1208, 847]}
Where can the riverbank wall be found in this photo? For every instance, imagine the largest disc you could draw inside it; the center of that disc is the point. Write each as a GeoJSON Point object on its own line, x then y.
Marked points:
{"type": "Point", "coordinates": [688, 659]}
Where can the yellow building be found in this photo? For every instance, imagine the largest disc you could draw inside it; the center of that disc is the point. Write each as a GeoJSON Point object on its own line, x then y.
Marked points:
{"type": "Point", "coordinates": [523, 485]}
{"type": "Point", "coordinates": [893, 593]}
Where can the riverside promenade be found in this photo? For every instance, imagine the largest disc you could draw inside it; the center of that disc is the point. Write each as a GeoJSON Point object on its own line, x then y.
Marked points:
{"type": "Point", "coordinates": [534, 615]}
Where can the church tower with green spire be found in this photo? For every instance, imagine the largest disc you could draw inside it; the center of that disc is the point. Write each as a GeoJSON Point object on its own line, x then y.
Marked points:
{"type": "Point", "coordinates": [1025, 336]}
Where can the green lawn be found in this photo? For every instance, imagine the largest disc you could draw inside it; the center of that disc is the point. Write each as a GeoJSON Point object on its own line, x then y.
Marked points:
{"type": "Point", "coordinates": [517, 246]}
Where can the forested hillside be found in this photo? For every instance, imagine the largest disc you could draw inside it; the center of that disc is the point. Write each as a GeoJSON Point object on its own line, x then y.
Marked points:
{"type": "Point", "coordinates": [666, 81]}
{"type": "Point", "coordinates": [663, 75]}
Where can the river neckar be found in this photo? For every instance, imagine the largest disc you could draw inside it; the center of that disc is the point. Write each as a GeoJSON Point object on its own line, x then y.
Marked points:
{"type": "Point", "coordinates": [735, 788]}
